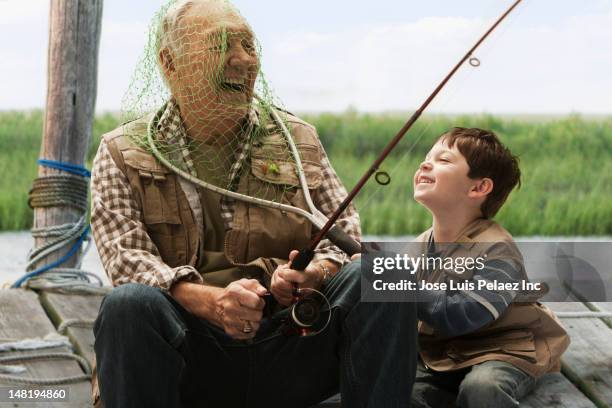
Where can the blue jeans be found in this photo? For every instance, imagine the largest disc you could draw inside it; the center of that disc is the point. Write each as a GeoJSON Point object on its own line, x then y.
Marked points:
{"type": "Point", "coordinates": [490, 384]}
{"type": "Point", "coordinates": [151, 352]}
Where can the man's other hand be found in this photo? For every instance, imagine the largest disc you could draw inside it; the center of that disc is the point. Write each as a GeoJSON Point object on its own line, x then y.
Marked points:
{"type": "Point", "coordinates": [284, 279]}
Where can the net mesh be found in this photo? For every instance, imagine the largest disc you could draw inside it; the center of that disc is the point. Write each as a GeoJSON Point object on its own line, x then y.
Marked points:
{"type": "Point", "coordinates": [199, 80]}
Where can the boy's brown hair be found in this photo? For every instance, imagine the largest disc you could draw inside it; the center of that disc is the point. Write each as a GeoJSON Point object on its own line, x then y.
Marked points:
{"type": "Point", "coordinates": [487, 157]}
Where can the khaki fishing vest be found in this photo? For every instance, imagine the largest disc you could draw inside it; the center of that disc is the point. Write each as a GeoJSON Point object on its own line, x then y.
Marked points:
{"type": "Point", "coordinates": [527, 335]}
{"type": "Point", "coordinates": [261, 237]}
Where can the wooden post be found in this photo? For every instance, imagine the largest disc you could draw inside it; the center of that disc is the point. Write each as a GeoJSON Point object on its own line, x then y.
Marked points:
{"type": "Point", "coordinates": [74, 38]}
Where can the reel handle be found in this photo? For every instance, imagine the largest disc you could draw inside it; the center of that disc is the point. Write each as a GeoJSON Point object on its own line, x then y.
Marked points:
{"type": "Point", "coordinates": [343, 241]}
{"type": "Point", "coordinates": [336, 235]}
{"type": "Point", "coordinates": [302, 259]}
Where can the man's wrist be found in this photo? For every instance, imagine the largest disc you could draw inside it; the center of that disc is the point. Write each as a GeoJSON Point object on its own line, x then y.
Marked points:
{"type": "Point", "coordinates": [198, 299]}
{"type": "Point", "coordinates": [179, 287]}
{"type": "Point", "coordinates": [326, 274]}
{"type": "Point", "coordinates": [327, 270]}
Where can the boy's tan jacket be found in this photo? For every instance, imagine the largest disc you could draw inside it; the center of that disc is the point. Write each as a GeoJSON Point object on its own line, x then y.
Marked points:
{"type": "Point", "coordinates": [527, 335]}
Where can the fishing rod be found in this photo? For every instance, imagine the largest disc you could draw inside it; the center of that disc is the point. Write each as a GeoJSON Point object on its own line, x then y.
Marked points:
{"type": "Point", "coordinates": [301, 261]}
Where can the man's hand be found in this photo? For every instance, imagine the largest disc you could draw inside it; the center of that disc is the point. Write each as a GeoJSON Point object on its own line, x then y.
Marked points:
{"type": "Point", "coordinates": [284, 278]}
{"type": "Point", "coordinates": [229, 308]}
{"type": "Point", "coordinates": [239, 306]}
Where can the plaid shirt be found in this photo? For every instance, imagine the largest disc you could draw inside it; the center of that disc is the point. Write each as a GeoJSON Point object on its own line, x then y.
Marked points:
{"type": "Point", "coordinates": [170, 129]}
{"type": "Point", "coordinates": [127, 252]}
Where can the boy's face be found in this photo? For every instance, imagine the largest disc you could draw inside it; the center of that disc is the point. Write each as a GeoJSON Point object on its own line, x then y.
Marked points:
{"type": "Point", "coordinates": [441, 182]}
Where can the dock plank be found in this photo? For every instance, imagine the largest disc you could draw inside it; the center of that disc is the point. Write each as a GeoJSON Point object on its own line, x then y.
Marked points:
{"type": "Point", "coordinates": [588, 360]}
{"type": "Point", "coordinates": [63, 308]}
{"type": "Point", "coordinates": [556, 391]}
{"type": "Point", "coordinates": [587, 363]}
{"type": "Point", "coordinates": [603, 307]}
{"type": "Point", "coordinates": [21, 317]}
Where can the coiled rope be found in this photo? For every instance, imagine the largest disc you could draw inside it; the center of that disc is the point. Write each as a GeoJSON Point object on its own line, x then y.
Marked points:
{"type": "Point", "coordinates": [61, 190]}
{"type": "Point", "coordinates": [58, 190]}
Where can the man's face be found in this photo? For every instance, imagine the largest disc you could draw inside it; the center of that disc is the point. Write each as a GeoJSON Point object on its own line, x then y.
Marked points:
{"type": "Point", "coordinates": [442, 181]}
{"type": "Point", "coordinates": [215, 65]}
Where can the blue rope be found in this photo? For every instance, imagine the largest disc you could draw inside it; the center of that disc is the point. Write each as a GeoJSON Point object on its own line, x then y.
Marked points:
{"type": "Point", "coordinates": [55, 264]}
{"type": "Point", "coordinates": [67, 167]}
{"type": "Point", "coordinates": [73, 169]}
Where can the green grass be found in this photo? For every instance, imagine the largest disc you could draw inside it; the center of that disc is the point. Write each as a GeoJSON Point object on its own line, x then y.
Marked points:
{"type": "Point", "coordinates": [566, 165]}
{"type": "Point", "coordinates": [20, 139]}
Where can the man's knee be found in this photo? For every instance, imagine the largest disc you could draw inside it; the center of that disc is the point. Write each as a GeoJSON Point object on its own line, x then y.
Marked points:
{"type": "Point", "coordinates": [351, 273]}
{"type": "Point", "coordinates": [130, 303]}
{"type": "Point", "coordinates": [352, 278]}
{"type": "Point", "coordinates": [344, 289]}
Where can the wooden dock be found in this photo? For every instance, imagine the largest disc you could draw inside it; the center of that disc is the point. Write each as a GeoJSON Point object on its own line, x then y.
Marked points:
{"type": "Point", "coordinates": [585, 381]}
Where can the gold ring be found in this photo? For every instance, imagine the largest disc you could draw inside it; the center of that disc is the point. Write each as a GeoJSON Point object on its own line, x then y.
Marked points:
{"type": "Point", "coordinates": [247, 327]}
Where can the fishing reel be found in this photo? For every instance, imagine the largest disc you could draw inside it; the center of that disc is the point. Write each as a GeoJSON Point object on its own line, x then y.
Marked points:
{"type": "Point", "coordinates": [310, 310]}
{"type": "Point", "coordinates": [308, 315]}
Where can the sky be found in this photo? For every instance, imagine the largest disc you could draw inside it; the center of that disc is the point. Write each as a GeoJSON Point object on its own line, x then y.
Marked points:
{"type": "Point", "coordinates": [549, 57]}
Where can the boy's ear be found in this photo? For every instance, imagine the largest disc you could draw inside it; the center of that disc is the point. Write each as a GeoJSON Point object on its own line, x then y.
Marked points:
{"type": "Point", "coordinates": [482, 188]}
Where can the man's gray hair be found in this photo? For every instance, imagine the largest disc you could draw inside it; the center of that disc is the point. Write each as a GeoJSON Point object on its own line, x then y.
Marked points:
{"type": "Point", "coordinates": [167, 34]}
{"type": "Point", "coordinates": [168, 28]}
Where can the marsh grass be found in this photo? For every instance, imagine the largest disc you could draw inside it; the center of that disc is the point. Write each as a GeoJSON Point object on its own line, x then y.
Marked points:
{"type": "Point", "coordinates": [566, 164]}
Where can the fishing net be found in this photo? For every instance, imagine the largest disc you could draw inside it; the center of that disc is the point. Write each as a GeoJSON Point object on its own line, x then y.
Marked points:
{"type": "Point", "coordinates": [200, 89]}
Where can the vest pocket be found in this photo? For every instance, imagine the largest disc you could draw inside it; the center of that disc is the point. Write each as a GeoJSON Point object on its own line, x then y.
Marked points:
{"type": "Point", "coordinates": [161, 213]}
{"type": "Point", "coordinates": [273, 164]}
{"type": "Point", "coordinates": [159, 198]}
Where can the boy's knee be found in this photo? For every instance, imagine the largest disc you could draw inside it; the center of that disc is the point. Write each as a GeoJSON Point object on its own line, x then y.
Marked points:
{"type": "Point", "coordinates": [483, 388]}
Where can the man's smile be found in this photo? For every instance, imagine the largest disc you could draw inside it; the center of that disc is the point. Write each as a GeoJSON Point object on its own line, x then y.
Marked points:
{"type": "Point", "coordinates": [234, 84]}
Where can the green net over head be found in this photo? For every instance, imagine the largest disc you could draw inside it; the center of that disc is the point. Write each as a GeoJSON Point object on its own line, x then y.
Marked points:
{"type": "Point", "coordinates": [200, 77]}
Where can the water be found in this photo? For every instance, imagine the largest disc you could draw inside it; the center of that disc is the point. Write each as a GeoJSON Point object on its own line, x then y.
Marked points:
{"type": "Point", "coordinates": [14, 247]}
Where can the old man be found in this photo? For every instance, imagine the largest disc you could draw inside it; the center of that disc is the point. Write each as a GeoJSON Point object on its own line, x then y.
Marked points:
{"type": "Point", "coordinates": [185, 325]}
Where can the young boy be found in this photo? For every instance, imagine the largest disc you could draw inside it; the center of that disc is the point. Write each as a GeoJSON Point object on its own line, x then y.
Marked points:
{"type": "Point", "coordinates": [480, 345]}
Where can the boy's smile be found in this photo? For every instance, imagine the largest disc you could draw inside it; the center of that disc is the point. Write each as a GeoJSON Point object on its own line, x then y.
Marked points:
{"type": "Point", "coordinates": [424, 179]}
